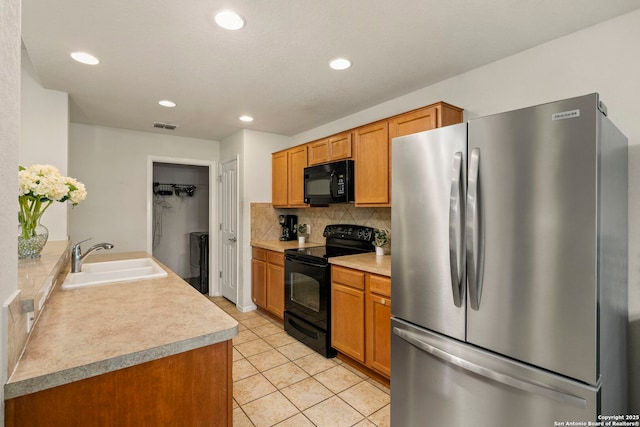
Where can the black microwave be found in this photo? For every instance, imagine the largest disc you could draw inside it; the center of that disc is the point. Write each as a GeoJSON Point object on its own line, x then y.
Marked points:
{"type": "Point", "coordinates": [329, 183]}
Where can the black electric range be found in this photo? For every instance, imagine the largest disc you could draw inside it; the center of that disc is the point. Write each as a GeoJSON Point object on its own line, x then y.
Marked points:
{"type": "Point", "coordinates": [307, 314]}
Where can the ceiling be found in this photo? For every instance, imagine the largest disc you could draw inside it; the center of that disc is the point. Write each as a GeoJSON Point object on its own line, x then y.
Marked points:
{"type": "Point", "coordinates": [275, 68]}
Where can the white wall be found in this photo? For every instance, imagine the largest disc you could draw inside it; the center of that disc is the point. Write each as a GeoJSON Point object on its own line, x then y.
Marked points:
{"type": "Point", "coordinates": [44, 136]}
{"type": "Point", "coordinates": [604, 59]}
{"type": "Point", "coordinates": [112, 163]}
{"type": "Point", "coordinates": [254, 185]}
{"type": "Point", "coordinates": [9, 141]}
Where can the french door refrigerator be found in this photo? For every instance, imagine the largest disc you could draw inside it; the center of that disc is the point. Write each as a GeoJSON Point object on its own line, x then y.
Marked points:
{"type": "Point", "coordinates": [509, 261]}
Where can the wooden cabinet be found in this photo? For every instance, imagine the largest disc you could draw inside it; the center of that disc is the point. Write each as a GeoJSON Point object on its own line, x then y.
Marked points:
{"type": "Point", "coordinates": [279, 178]}
{"type": "Point", "coordinates": [370, 148]}
{"type": "Point", "coordinates": [427, 118]}
{"type": "Point", "coordinates": [372, 167]}
{"type": "Point", "coordinates": [275, 283]}
{"type": "Point", "coordinates": [267, 280]}
{"type": "Point", "coordinates": [295, 175]}
{"type": "Point", "coordinates": [373, 149]}
{"type": "Point", "coordinates": [337, 147]}
{"type": "Point", "coordinates": [347, 312]}
{"type": "Point", "coordinates": [361, 317]}
{"type": "Point", "coordinates": [378, 323]}
{"type": "Point", "coordinates": [287, 172]}
{"type": "Point", "coordinates": [192, 388]}
{"type": "Point", "coordinates": [259, 276]}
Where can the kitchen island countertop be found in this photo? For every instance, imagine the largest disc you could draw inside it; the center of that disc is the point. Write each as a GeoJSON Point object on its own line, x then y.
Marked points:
{"type": "Point", "coordinates": [89, 331]}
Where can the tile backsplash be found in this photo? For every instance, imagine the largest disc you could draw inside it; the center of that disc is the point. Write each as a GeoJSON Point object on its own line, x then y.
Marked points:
{"type": "Point", "coordinates": [264, 219]}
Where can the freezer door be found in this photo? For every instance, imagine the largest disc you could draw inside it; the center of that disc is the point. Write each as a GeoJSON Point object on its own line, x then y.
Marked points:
{"type": "Point", "coordinates": [438, 381]}
{"type": "Point", "coordinates": [427, 248]}
{"type": "Point", "coordinates": [532, 236]}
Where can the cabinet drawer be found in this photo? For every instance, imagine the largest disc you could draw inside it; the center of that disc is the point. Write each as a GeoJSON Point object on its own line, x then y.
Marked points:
{"type": "Point", "coordinates": [380, 285]}
{"type": "Point", "coordinates": [276, 258]}
{"type": "Point", "coordinates": [346, 276]}
{"type": "Point", "coordinates": [259, 253]}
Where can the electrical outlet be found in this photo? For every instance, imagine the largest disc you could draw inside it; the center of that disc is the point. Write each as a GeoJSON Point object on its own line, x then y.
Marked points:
{"type": "Point", "coordinates": [30, 318]}
{"type": "Point", "coordinates": [308, 228]}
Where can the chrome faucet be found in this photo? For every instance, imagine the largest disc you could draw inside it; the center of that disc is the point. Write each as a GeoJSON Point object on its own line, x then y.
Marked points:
{"type": "Point", "coordinates": [77, 258]}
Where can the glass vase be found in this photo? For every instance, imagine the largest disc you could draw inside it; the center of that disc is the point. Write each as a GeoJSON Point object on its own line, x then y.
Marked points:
{"type": "Point", "coordinates": [31, 242]}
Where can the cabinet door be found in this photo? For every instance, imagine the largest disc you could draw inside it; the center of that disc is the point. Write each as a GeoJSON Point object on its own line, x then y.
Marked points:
{"type": "Point", "coordinates": [259, 282]}
{"type": "Point", "coordinates": [340, 146]}
{"type": "Point", "coordinates": [297, 163]}
{"type": "Point", "coordinates": [414, 121]}
{"type": "Point", "coordinates": [279, 178]}
{"type": "Point", "coordinates": [379, 326]}
{"type": "Point", "coordinates": [318, 152]}
{"type": "Point", "coordinates": [373, 162]}
{"type": "Point", "coordinates": [347, 321]}
{"type": "Point", "coordinates": [155, 393]}
{"type": "Point", "coordinates": [275, 283]}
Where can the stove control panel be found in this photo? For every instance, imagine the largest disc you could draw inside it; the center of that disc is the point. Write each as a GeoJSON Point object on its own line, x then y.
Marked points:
{"type": "Point", "coordinates": [349, 231]}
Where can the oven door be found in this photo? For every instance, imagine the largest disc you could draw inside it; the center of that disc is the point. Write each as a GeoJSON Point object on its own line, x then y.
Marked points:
{"type": "Point", "coordinates": [307, 290]}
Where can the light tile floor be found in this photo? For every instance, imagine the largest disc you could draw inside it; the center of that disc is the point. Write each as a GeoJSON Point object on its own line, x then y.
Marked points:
{"type": "Point", "coordinates": [278, 381]}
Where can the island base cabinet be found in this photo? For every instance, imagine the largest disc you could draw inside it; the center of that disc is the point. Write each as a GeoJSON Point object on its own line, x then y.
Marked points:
{"type": "Point", "coordinates": [193, 388]}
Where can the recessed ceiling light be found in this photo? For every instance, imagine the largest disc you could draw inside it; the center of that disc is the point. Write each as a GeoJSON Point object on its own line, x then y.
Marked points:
{"type": "Point", "coordinates": [246, 118]}
{"type": "Point", "coordinates": [229, 20]}
{"type": "Point", "coordinates": [85, 58]}
{"type": "Point", "coordinates": [167, 103]}
{"type": "Point", "coordinates": [340, 64]}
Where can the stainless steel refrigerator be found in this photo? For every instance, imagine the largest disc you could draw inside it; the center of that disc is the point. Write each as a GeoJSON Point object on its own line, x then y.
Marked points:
{"type": "Point", "coordinates": [509, 269]}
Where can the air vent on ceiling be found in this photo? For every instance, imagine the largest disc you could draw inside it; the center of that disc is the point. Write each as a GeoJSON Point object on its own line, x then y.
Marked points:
{"type": "Point", "coordinates": [161, 125]}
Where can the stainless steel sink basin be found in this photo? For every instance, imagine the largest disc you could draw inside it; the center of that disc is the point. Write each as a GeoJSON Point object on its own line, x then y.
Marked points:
{"type": "Point", "coordinates": [102, 273]}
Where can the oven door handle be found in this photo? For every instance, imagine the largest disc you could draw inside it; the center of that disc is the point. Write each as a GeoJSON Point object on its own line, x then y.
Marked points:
{"type": "Point", "coordinates": [304, 262]}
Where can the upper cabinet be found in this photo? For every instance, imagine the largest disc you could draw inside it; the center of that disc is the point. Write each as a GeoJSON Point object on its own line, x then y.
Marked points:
{"type": "Point", "coordinates": [279, 179]}
{"type": "Point", "coordinates": [370, 148]}
{"type": "Point", "coordinates": [372, 165]}
{"type": "Point", "coordinates": [373, 149]}
{"type": "Point", "coordinates": [295, 175]}
{"type": "Point", "coordinates": [287, 171]}
{"type": "Point", "coordinates": [337, 147]}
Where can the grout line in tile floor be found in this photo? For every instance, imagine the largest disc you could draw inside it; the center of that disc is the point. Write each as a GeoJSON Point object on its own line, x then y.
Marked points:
{"type": "Point", "coordinates": [278, 381]}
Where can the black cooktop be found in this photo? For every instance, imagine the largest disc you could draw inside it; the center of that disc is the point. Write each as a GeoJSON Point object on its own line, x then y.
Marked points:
{"type": "Point", "coordinates": [341, 239]}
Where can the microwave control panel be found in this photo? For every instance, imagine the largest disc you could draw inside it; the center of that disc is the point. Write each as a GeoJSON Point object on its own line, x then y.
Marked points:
{"type": "Point", "coordinates": [341, 184]}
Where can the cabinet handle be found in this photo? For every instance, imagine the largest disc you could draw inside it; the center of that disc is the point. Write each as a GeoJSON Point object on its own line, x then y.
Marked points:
{"type": "Point", "coordinates": [383, 302]}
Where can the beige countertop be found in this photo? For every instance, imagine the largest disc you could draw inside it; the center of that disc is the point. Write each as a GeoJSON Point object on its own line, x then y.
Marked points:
{"type": "Point", "coordinates": [366, 262]}
{"type": "Point", "coordinates": [281, 246]}
{"type": "Point", "coordinates": [89, 331]}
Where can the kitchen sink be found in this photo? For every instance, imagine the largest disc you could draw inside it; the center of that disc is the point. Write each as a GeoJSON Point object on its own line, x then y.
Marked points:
{"type": "Point", "coordinates": [102, 273]}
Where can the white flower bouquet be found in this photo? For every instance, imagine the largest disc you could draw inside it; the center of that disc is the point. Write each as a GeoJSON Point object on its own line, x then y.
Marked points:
{"type": "Point", "coordinates": [38, 187]}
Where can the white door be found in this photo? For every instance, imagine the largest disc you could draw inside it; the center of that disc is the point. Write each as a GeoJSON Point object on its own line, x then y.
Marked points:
{"type": "Point", "coordinates": [229, 230]}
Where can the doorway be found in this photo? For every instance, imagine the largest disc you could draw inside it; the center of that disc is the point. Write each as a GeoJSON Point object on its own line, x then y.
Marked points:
{"type": "Point", "coordinates": [181, 218]}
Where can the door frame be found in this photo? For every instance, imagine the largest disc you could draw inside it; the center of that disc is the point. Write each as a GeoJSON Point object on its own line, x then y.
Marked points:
{"type": "Point", "coordinates": [214, 283]}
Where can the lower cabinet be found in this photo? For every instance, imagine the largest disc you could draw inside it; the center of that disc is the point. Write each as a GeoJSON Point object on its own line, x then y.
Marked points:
{"type": "Point", "coordinates": [193, 388]}
{"type": "Point", "coordinates": [347, 312]}
{"type": "Point", "coordinates": [361, 317]}
{"type": "Point", "coordinates": [267, 280]}
{"type": "Point", "coordinates": [378, 324]}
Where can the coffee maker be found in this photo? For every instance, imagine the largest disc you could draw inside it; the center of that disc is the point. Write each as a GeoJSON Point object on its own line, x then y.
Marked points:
{"type": "Point", "coordinates": [288, 223]}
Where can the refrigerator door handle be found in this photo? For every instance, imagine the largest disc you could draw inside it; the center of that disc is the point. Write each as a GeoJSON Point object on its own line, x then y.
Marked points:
{"type": "Point", "coordinates": [473, 232]}
{"type": "Point", "coordinates": [456, 226]}
{"type": "Point", "coordinates": [527, 386]}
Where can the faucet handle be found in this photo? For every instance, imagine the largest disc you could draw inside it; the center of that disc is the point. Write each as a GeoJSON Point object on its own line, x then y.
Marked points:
{"type": "Point", "coordinates": [76, 247]}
